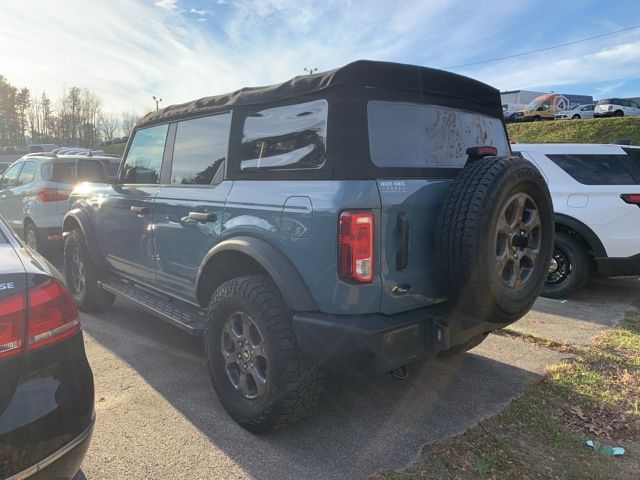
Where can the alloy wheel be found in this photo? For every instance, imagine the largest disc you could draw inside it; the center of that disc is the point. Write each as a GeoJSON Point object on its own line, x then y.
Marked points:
{"type": "Point", "coordinates": [518, 240]}
{"type": "Point", "coordinates": [31, 239]}
{"type": "Point", "coordinates": [78, 274]}
{"type": "Point", "coordinates": [245, 359]}
{"type": "Point", "coordinates": [559, 268]}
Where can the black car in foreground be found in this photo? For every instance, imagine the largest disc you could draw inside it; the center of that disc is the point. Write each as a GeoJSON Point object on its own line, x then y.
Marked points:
{"type": "Point", "coordinates": [46, 384]}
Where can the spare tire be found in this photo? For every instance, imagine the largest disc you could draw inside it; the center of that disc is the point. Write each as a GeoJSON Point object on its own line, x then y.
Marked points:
{"type": "Point", "coordinates": [495, 237]}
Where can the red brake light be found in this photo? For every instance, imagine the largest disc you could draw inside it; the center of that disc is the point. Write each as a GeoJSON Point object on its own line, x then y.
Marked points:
{"type": "Point", "coordinates": [53, 194]}
{"type": "Point", "coordinates": [632, 198]}
{"type": "Point", "coordinates": [12, 320]}
{"type": "Point", "coordinates": [52, 314]}
{"type": "Point", "coordinates": [355, 249]}
{"type": "Point", "coordinates": [476, 153]}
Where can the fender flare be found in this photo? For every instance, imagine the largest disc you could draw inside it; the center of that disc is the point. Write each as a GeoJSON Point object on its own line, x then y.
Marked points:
{"type": "Point", "coordinates": [83, 219]}
{"type": "Point", "coordinates": [584, 231]}
{"type": "Point", "coordinates": [275, 263]}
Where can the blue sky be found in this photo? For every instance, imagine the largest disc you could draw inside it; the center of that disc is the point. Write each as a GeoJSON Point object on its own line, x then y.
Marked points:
{"type": "Point", "coordinates": [129, 50]}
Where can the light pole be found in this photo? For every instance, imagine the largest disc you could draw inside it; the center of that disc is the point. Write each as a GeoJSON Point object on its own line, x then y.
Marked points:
{"type": "Point", "coordinates": [158, 100]}
{"type": "Point", "coordinates": [310, 71]}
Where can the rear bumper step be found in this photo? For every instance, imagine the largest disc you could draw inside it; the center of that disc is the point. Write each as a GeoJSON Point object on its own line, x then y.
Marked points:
{"type": "Point", "coordinates": [374, 343]}
{"type": "Point", "coordinates": [182, 315]}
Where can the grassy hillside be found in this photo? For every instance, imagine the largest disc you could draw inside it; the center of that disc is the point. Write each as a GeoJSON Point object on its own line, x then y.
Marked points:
{"type": "Point", "coordinates": [115, 148]}
{"type": "Point", "coordinates": [598, 130]}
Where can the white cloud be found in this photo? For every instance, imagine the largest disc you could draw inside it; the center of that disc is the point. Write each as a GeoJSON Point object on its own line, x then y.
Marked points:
{"type": "Point", "coordinates": [606, 62]}
{"type": "Point", "coordinates": [167, 4]}
{"type": "Point", "coordinates": [198, 12]}
{"type": "Point", "coordinates": [137, 49]}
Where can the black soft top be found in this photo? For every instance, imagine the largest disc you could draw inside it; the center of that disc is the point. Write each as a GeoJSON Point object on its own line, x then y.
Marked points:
{"type": "Point", "coordinates": [468, 93]}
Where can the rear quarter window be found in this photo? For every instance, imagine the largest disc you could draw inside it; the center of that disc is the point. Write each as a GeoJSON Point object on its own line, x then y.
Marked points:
{"type": "Point", "coordinates": [288, 137]}
{"type": "Point", "coordinates": [424, 136]}
{"type": "Point", "coordinates": [595, 169]}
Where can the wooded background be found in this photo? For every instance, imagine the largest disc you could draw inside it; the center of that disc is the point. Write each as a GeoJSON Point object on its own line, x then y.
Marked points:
{"type": "Point", "coordinates": [75, 119]}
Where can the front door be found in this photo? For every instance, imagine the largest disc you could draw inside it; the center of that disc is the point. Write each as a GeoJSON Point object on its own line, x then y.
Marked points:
{"type": "Point", "coordinates": [10, 201]}
{"type": "Point", "coordinates": [188, 212]}
{"type": "Point", "coordinates": [125, 218]}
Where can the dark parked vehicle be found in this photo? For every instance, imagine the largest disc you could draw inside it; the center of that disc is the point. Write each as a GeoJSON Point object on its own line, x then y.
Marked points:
{"type": "Point", "coordinates": [46, 394]}
{"type": "Point", "coordinates": [360, 219]}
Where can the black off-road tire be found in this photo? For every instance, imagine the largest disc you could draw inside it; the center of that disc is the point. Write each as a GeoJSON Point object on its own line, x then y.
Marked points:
{"type": "Point", "coordinates": [467, 240]}
{"type": "Point", "coordinates": [293, 383]}
{"type": "Point", "coordinates": [89, 298]}
{"type": "Point", "coordinates": [580, 267]}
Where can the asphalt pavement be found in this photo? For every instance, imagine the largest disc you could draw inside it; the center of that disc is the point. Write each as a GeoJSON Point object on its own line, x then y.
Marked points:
{"type": "Point", "coordinates": [158, 416]}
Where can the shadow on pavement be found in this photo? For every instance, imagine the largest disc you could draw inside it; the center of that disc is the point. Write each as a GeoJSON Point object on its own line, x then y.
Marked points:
{"type": "Point", "coordinates": [361, 426]}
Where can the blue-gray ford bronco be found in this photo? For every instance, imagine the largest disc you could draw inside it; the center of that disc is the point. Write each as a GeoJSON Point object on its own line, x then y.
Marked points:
{"type": "Point", "coordinates": [361, 219]}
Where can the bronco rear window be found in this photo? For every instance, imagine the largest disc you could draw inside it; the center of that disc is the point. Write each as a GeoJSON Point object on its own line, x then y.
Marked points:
{"type": "Point", "coordinates": [413, 135]}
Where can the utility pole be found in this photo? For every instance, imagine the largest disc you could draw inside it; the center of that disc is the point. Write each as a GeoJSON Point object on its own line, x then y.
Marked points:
{"type": "Point", "coordinates": [310, 71]}
{"type": "Point", "coordinates": [158, 100]}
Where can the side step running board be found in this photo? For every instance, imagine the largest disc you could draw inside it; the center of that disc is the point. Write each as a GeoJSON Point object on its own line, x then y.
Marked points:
{"type": "Point", "coordinates": [182, 315]}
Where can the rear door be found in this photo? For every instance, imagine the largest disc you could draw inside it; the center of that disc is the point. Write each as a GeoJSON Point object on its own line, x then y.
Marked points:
{"type": "Point", "coordinates": [602, 176]}
{"type": "Point", "coordinates": [407, 135]}
{"type": "Point", "coordinates": [189, 210]}
{"type": "Point", "coordinates": [125, 216]}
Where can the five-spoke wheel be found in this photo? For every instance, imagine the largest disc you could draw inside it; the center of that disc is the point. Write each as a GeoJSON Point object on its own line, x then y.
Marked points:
{"type": "Point", "coordinates": [518, 237]}
{"type": "Point", "coordinates": [243, 352]}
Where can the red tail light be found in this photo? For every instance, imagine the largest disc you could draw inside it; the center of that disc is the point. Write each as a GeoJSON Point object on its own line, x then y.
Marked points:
{"type": "Point", "coordinates": [356, 246]}
{"type": "Point", "coordinates": [53, 194]}
{"type": "Point", "coordinates": [52, 314]}
{"type": "Point", "coordinates": [12, 320]}
{"type": "Point", "coordinates": [632, 198]}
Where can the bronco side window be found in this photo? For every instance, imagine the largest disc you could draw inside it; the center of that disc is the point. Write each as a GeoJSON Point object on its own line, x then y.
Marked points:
{"type": "Point", "coordinates": [290, 137]}
{"type": "Point", "coordinates": [144, 158]}
{"type": "Point", "coordinates": [200, 150]}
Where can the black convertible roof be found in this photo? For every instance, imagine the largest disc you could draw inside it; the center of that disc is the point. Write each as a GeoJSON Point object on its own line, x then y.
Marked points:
{"type": "Point", "coordinates": [389, 75]}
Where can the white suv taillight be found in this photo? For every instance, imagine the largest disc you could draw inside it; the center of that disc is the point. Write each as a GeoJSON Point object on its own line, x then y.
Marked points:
{"type": "Point", "coordinates": [355, 250]}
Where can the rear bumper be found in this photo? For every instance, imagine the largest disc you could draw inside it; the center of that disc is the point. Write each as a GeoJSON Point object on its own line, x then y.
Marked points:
{"type": "Point", "coordinates": [618, 266]}
{"type": "Point", "coordinates": [63, 464]}
{"type": "Point", "coordinates": [51, 234]}
{"type": "Point", "coordinates": [50, 412]}
{"type": "Point", "coordinates": [375, 343]}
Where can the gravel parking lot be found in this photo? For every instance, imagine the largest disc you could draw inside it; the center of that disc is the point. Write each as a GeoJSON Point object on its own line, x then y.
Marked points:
{"type": "Point", "coordinates": [158, 417]}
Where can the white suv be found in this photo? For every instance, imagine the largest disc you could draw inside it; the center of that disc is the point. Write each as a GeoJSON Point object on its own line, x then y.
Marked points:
{"type": "Point", "coordinates": [596, 198]}
{"type": "Point", "coordinates": [616, 107]}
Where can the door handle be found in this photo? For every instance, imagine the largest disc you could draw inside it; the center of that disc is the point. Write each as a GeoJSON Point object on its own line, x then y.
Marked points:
{"type": "Point", "coordinates": [140, 210]}
{"type": "Point", "coordinates": [203, 217]}
{"type": "Point", "coordinates": [402, 256]}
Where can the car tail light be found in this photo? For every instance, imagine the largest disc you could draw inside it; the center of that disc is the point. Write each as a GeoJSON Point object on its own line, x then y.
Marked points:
{"type": "Point", "coordinates": [52, 314]}
{"type": "Point", "coordinates": [356, 246]}
{"type": "Point", "coordinates": [53, 194]}
{"type": "Point", "coordinates": [632, 198]}
{"type": "Point", "coordinates": [12, 323]}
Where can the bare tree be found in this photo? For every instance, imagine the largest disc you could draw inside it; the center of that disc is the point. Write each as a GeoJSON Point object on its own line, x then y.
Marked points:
{"type": "Point", "coordinates": [23, 98]}
{"type": "Point", "coordinates": [108, 126]}
{"type": "Point", "coordinates": [128, 121]}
